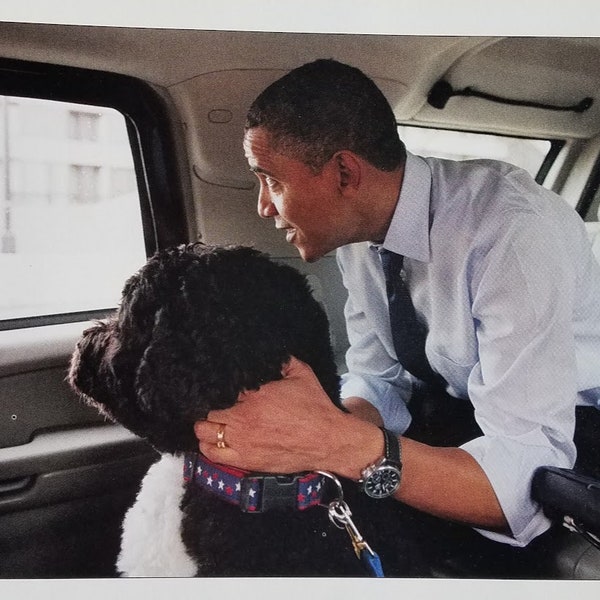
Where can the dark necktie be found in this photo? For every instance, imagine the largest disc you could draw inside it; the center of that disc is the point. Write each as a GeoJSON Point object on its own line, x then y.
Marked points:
{"type": "Point", "coordinates": [408, 334]}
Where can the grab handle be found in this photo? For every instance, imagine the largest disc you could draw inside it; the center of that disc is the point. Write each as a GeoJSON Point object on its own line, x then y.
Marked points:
{"type": "Point", "coordinates": [18, 484]}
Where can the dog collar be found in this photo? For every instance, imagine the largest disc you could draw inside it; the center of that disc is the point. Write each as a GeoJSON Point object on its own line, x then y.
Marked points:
{"type": "Point", "coordinates": [255, 492]}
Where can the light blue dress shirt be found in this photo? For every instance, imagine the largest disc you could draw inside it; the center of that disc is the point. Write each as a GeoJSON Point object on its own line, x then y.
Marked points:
{"type": "Point", "coordinates": [502, 272]}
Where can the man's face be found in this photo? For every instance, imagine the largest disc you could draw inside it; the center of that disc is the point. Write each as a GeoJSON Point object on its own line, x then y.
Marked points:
{"type": "Point", "coordinates": [305, 204]}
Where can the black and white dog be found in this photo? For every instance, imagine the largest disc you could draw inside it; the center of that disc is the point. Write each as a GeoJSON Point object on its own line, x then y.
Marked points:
{"type": "Point", "coordinates": [196, 326]}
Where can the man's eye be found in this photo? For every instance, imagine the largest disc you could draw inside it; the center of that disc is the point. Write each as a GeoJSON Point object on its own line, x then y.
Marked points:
{"type": "Point", "coordinates": [270, 182]}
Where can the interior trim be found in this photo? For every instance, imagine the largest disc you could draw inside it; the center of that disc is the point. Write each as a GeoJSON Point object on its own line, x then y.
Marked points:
{"type": "Point", "coordinates": [442, 91]}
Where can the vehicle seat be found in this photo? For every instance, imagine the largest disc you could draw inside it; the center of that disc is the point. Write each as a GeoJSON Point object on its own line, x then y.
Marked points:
{"type": "Point", "coordinates": [572, 500]}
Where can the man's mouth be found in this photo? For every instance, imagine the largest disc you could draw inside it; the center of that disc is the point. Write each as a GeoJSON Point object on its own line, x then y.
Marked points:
{"type": "Point", "coordinates": [290, 232]}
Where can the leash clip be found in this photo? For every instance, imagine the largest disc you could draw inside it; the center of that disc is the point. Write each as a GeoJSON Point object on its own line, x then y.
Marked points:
{"type": "Point", "coordinates": [341, 516]}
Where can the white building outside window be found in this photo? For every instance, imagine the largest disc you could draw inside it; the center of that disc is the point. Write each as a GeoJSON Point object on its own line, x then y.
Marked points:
{"type": "Point", "coordinates": [69, 236]}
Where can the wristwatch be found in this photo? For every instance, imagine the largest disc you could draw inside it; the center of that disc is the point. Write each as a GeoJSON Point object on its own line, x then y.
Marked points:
{"type": "Point", "coordinates": [382, 478]}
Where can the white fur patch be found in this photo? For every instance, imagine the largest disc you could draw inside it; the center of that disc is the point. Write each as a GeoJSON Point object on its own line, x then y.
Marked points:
{"type": "Point", "coordinates": [151, 543]}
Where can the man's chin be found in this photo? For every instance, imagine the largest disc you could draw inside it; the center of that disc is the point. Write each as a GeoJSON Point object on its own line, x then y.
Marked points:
{"type": "Point", "coordinates": [309, 255]}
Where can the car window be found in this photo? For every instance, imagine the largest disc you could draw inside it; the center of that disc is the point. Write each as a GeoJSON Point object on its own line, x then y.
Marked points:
{"type": "Point", "coordinates": [529, 154]}
{"type": "Point", "coordinates": [70, 223]}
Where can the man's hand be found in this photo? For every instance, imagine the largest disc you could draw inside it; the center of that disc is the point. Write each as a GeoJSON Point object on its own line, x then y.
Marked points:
{"type": "Point", "coordinates": [290, 425]}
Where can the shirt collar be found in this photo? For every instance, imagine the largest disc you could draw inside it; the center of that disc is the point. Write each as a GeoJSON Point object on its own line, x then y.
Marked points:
{"type": "Point", "coordinates": [408, 233]}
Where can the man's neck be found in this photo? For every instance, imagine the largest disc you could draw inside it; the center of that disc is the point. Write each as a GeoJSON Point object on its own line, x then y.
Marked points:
{"type": "Point", "coordinates": [384, 193]}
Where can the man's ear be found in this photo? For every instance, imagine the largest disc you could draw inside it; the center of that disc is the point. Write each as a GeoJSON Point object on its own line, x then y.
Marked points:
{"type": "Point", "coordinates": [348, 170]}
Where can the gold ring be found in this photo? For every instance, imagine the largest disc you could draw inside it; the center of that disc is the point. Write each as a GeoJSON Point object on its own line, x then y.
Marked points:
{"type": "Point", "coordinates": [221, 437]}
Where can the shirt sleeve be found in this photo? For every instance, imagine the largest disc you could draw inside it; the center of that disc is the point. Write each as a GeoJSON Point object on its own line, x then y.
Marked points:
{"type": "Point", "coordinates": [373, 374]}
{"type": "Point", "coordinates": [524, 386]}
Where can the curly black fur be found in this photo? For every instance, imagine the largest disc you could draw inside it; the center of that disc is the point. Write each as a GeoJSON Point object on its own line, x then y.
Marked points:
{"type": "Point", "coordinates": [196, 326]}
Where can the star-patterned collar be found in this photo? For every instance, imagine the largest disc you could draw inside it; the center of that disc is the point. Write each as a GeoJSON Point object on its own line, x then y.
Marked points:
{"type": "Point", "coordinates": [255, 492]}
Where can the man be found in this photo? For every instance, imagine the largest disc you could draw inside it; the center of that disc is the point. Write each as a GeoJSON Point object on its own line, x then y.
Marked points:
{"type": "Point", "coordinates": [500, 271]}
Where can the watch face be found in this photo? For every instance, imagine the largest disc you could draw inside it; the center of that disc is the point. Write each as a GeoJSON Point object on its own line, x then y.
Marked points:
{"type": "Point", "coordinates": [382, 482]}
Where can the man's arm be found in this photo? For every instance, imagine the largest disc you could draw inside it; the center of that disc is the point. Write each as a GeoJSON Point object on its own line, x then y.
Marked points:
{"type": "Point", "coordinates": [374, 375]}
{"type": "Point", "coordinates": [449, 483]}
{"type": "Point", "coordinates": [291, 425]}
{"type": "Point", "coordinates": [364, 410]}
{"type": "Point", "coordinates": [423, 469]}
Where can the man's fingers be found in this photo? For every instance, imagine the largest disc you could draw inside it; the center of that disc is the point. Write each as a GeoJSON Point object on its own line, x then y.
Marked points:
{"type": "Point", "coordinates": [210, 432]}
{"type": "Point", "coordinates": [214, 442]}
{"type": "Point", "coordinates": [224, 456]}
{"type": "Point", "coordinates": [253, 433]}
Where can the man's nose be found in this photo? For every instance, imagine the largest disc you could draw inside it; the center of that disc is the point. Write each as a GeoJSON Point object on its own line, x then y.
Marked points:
{"type": "Point", "coordinates": [266, 208]}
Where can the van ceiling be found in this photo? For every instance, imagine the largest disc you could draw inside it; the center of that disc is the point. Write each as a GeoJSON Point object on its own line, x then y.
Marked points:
{"type": "Point", "coordinates": [558, 71]}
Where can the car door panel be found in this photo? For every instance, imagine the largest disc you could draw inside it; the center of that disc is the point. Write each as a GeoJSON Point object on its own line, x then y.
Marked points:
{"type": "Point", "coordinates": [67, 475]}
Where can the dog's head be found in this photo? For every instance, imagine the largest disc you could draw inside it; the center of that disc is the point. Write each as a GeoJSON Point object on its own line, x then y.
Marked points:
{"type": "Point", "coordinates": [196, 326]}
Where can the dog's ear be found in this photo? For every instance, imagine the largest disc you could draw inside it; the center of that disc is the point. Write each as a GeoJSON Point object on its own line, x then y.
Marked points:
{"type": "Point", "coordinates": [90, 374]}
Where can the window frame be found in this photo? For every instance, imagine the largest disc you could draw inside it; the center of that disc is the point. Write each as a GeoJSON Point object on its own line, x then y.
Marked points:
{"type": "Point", "coordinates": [556, 145]}
{"type": "Point", "coordinates": [589, 192]}
{"type": "Point", "coordinates": [153, 144]}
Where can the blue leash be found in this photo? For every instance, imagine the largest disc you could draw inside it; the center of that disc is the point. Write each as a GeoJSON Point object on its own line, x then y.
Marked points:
{"type": "Point", "coordinates": [371, 562]}
{"type": "Point", "coordinates": [341, 516]}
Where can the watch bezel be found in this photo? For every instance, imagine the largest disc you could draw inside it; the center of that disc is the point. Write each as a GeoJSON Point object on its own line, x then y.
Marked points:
{"type": "Point", "coordinates": [374, 472]}
{"type": "Point", "coordinates": [391, 461]}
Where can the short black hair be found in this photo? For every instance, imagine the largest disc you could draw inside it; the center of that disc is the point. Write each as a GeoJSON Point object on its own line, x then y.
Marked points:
{"type": "Point", "coordinates": [325, 106]}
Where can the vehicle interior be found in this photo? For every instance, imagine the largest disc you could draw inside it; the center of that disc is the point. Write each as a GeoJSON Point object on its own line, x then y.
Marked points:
{"type": "Point", "coordinates": [120, 141]}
